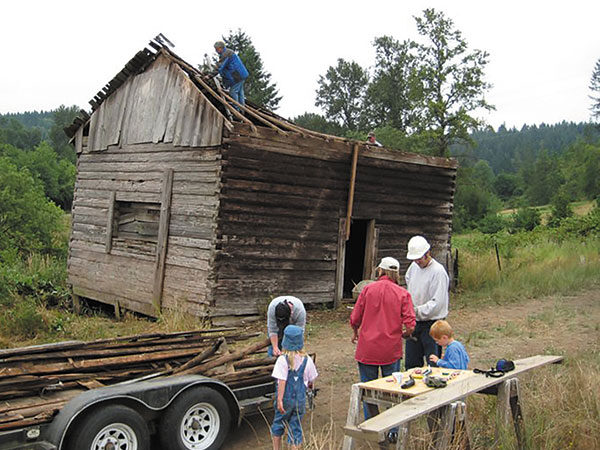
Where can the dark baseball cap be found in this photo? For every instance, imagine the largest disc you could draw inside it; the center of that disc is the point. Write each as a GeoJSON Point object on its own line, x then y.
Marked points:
{"type": "Point", "coordinates": [282, 312]}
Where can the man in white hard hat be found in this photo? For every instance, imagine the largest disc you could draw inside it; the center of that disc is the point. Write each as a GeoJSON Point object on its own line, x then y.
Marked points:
{"type": "Point", "coordinates": [428, 282]}
{"type": "Point", "coordinates": [383, 313]}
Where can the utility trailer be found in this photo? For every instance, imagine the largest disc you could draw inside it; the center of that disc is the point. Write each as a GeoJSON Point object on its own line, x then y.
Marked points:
{"type": "Point", "coordinates": [154, 411]}
{"type": "Point", "coordinates": [184, 412]}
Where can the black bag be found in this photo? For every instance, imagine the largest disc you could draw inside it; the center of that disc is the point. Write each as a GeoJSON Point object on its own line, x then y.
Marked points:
{"type": "Point", "coordinates": [502, 366]}
{"type": "Point", "coordinates": [505, 365]}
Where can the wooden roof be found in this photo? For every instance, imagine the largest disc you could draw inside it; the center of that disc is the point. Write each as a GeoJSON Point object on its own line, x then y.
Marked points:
{"type": "Point", "coordinates": [254, 116]}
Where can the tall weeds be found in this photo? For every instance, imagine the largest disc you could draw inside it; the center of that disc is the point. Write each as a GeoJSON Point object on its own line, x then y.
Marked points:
{"type": "Point", "coordinates": [535, 269]}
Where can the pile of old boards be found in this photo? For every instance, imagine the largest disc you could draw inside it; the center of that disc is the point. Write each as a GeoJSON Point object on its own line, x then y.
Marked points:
{"type": "Point", "coordinates": [445, 408]}
{"type": "Point", "coordinates": [36, 382]}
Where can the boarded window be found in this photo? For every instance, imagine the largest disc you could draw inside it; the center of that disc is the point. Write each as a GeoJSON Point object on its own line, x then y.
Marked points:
{"type": "Point", "coordinates": [135, 227]}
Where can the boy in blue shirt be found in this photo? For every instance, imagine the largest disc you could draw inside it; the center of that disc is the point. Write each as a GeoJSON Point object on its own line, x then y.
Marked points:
{"type": "Point", "coordinates": [455, 355]}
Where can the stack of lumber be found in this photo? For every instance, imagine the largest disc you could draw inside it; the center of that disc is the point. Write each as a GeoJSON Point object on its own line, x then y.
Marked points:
{"type": "Point", "coordinates": [37, 381]}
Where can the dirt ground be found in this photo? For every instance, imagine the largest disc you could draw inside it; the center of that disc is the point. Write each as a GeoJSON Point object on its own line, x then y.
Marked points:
{"type": "Point", "coordinates": [553, 325]}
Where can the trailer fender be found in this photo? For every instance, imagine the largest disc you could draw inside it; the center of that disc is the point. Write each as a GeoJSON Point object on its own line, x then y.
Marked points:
{"type": "Point", "coordinates": [152, 395]}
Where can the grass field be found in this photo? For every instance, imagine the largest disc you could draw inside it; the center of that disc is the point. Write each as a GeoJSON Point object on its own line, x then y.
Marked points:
{"type": "Point", "coordinates": [579, 208]}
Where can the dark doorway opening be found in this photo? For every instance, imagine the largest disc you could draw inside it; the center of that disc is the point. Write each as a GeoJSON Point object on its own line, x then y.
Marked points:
{"type": "Point", "coordinates": [354, 262]}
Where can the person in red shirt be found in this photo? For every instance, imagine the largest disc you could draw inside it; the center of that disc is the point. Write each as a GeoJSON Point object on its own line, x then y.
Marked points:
{"type": "Point", "coordinates": [382, 315]}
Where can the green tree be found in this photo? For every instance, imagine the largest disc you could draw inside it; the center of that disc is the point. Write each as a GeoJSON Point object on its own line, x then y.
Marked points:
{"type": "Point", "coordinates": [452, 81]}
{"type": "Point", "coordinates": [505, 185]}
{"type": "Point", "coordinates": [62, 117]}
{"type": "Point", "coordinates": [13, 132]}
{"type": "Point", "coordinates": [561, 208]}
{"type": "Point", "coordinates": [28, 221]}
{"type": "Point", "coordinates": [341, 93]}
{"type": "Point", "coordinates": [483, 175]}
{"type": "Point", "coordinates": [542, 179]}
{"type": "Point", "coordinates": [595, 88]}
{"type": "Point", "coordinates": [526, 218]}
{"type": "Point", "coordinates": [591, 177]}
{"type": "Point", "coordinates": [393, 96]}
{"type": "Point", "coordinates": [56, 175]}
{"type": "Point", "coordinates": [473, 199]}
{"type": "Point", "coordinates": [320, 124]}
{"type": "Point", "coordinates": [258, 87]}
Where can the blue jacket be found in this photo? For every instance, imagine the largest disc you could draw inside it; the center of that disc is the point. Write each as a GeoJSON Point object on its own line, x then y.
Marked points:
{"type": "Point", "coordinates": [455, 357]}
{"type": "Point", "coordinates": [231, 68]}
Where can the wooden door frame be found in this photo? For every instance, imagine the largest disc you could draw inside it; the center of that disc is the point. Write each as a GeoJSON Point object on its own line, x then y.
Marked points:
{"type": "Point", "coordinates": [371, 246]}
{"type": "Point", "coordinates": [341, 263]}
{"type": "Point", "coordinates": [371, 241]}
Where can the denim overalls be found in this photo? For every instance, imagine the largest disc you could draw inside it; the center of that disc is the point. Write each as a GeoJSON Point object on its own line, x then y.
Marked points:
{"type": "Point", "coordinates": [294, 403]}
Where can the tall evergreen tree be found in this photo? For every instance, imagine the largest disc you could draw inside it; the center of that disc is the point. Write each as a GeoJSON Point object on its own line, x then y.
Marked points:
{"type": "Point", "coordinates": [452, 81]}
{"type": "Point", "coordinates": [595, 88]}
{"type": "Point", "coordinates": [258, 87]}
{"type": "Point", "coordinates": [341, 93]}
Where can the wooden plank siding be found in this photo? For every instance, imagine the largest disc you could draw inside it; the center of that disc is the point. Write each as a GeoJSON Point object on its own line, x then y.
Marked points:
{"type": "Point", "coordinates": [280, 207]}
{"type": "Point", "coordinates": [160, 104]}
{"type": "Point", "coordinates": [126, 273]}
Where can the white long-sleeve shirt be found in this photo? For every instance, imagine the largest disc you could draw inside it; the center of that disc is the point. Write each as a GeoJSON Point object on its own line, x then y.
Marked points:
{"type": "Point", "coordinates": [428, 288]}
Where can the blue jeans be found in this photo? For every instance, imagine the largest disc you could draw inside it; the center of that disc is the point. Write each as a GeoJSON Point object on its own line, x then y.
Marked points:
{"type": "Point", "coordinates": [237, 93]}
{"type": "Point", "coordinates": [370, 372]}
{"type": "Point", "coordinates": [418, 350]}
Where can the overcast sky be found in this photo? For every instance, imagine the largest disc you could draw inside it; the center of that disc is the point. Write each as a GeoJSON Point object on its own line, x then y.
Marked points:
{"type": "Point", "coordinates": [542, 53]}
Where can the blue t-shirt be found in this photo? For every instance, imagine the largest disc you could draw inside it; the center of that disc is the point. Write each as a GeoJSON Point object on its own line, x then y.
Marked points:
{"type": "Point", "coordinates": [455, 357]}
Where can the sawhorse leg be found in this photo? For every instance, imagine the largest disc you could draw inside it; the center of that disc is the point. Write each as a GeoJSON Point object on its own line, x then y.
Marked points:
{"type": "Point", "coordinates": [403, 436]}
{"type": "Point", "coordinates": [354, 411]}
{"type": "Point", "coordinates": [448, 424]}
{"type": "Point", "coordinates": [509, 405]}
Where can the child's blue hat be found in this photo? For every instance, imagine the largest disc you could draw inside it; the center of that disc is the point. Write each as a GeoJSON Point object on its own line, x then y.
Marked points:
{"type": "Point", "coordinates": [293, 338]}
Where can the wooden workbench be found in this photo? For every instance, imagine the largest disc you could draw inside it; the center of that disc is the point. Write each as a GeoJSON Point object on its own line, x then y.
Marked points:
{"type": "Point", "coordinates": [447, 404]}
{"type": "Point", "coordinates": [389, 384]}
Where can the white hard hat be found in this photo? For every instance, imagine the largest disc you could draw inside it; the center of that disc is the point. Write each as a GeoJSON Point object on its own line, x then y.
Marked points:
{"type": "Point", "coordinates": [389, 263]}
{"type": "Point", "coordinates": [417, 247]}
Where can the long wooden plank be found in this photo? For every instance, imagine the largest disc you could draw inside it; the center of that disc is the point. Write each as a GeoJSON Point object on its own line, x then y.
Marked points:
{"type": "Point", "coordinates": [417, 406]}
{"type": "Point", "coordinates": [350, 204]}
{"type": "Point", "coordinates": [163, 235]}
{"type": "Point", "coordinates": [95, 363]}
{"type": "Point", "coordinates": [110, 222]}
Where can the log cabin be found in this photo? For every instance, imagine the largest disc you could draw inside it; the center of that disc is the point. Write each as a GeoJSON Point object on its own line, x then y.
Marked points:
{"type": "Point", "coordinates": [184, 200]}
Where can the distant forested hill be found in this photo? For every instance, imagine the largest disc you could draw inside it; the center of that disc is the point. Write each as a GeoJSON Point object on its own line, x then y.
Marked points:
{"type": "Point", "coordinates": [34, 142]}
{"type": "Point", "coordinates": [32, 119]}
{"type": "Point", "coordinates": [506, 150]}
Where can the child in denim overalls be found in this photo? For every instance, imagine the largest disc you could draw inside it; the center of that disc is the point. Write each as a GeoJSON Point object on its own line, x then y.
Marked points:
{"type": "Point", "coordinates": [294, 371]}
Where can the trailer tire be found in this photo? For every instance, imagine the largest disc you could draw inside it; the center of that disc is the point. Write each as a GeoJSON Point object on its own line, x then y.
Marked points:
{"type": "Point", "coordinates": [198, 419]}
{"type": "Point", "coordinates": [122, 426]}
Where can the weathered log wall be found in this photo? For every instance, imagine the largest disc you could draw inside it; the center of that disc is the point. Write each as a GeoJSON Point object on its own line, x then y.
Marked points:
{"type": "Point", "coordinates": [281, 202]}
{"type": "Point", "coordinates": [406, 199]}
{"type": "Point", "coordinates": [124, 270]}
{"type": "Point", "coordinates": [279, 223]}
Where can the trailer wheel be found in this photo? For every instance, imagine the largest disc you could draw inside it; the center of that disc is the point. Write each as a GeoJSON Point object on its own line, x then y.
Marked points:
{"type": "Point", "coordinates": [112, 427]}
{"type": "Point", "coordinates": [197, 420]}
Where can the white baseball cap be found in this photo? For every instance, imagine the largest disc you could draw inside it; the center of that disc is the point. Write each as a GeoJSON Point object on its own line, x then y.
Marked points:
{"type": "Point", "coordinates": [389, 263]}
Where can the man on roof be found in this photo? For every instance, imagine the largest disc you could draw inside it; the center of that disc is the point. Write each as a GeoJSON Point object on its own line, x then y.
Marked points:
{"type": "Point", "coordinates": [371, 140]}
{"type": "Point", "coordinates": [232, 71]}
